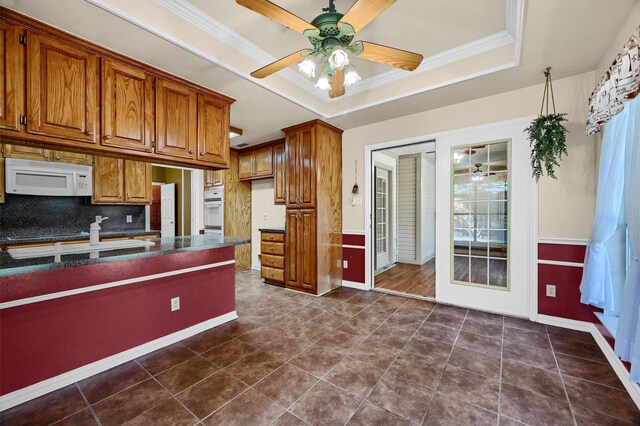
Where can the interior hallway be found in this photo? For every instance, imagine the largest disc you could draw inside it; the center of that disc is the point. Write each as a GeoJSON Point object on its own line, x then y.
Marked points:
{"type": "Point", "coordinates": [418, 280]}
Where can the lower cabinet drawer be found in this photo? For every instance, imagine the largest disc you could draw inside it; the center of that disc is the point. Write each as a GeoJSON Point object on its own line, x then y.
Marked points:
{"type": "Point", "coordinates": [271, 248]}
{"type": "Point", "coordinates": [272, 236]}
{"type": "Point", "coordinates": [273, 274]}
{"type": "Point", "coordinates": [273, 261]}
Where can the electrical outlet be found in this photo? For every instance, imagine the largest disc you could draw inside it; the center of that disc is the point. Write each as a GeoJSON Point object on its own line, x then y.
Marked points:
{"type": "Point", "coordinates": [264, 216]}
{"type": "Point", "coordinates": [129, 218]}
{"type": "Point", "coordinates": [98, 218]}
{"type": "Point", "coordinates": [175, 304]}
{"type": "Point", "coordinates": [551, 290]}
{"type": "Point", "coordinates": [345, 264]}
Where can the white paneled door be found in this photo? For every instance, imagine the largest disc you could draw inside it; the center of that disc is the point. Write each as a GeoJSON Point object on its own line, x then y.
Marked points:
{"type": "Point", "coordinates": [383, 243]}
{"type": "Point", "coordinates": [168, 210]}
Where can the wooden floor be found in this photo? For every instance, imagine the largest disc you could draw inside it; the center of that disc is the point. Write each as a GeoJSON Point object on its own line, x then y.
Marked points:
{"type": "Point", "coordinates": [411, 279]}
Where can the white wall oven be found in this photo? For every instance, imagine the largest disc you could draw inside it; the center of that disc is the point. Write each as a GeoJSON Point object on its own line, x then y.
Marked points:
{"type": "Point", "coordinates": [214, 211]}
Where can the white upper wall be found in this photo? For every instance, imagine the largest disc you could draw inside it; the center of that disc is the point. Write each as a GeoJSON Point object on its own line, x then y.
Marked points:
{"type": "Point", "coordinates": [565, 206]}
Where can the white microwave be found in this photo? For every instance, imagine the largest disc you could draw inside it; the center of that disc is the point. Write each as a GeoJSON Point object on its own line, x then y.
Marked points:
{"type": "Point", "coordinates": [47, 178]}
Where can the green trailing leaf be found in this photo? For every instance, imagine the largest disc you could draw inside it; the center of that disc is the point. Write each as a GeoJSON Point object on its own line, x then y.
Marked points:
{"type": "Point", "coordinates": [548, 141]}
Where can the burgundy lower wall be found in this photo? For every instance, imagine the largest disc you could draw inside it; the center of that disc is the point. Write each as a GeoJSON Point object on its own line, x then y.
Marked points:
{"type": "Point", "coordinates": [567, 279]}
{"type": "Point", "coordinates": [42, 340]}
{"type": "Point", "coordinates": [354, 256]}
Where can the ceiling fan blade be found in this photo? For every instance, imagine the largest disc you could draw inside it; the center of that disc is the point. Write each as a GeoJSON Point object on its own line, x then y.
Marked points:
{"type": "Point", "coordinates": [390, 56]}
{"type": "Point", "coordinates": [337, 84]}
{"type": "Point", "coordinates": [276, 66]}
{"type": "Point", "coordinates": [365, 11]}
{"type": "Point", "coordinates": [278, 14]}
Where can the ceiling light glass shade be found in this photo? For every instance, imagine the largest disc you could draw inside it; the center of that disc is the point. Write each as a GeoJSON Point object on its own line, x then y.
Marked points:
{"type": "Point", "coordinates": [308, 67]}
{"type": "Point", "coordinates": [323, 82]}
{"type": "Point", "coordinates": [351, 76]}
{"type": "Point", "coordinates": [338, 59]}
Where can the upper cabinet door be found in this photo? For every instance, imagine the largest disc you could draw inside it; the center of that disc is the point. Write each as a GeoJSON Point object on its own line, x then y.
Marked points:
{"type": "Point", "coordinates": [292, 156]}
{"type": "Point", "coordinates": [62, 89]}
{"type": "Point", "coordinates": [127, 107]}
{"type": "Point", "coordinates": [263, 162]}
{"type": "Point", "coordinates": [137, 182]}
{"type": "Point", "coordinates": [213, 130]}
{"type": "Point", "coordinates": [306, 174]}
{"type": "Point", "coordinates": [11, 74]}
{"type": "Point", "coordinates": [72, 157]}
{"type": "Point", "coordinates": [279, 174]}
{"type": "Point", "coordinates": [245, 165]}
{"type": "Point", "coordinates": [176, 121]}
{"type": "Point", "coordinates": [108, 180]}
{"type": "Point", "coordinates": [27, 152]}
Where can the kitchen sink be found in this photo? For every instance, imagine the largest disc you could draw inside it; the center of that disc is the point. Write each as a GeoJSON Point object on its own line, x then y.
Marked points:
{"type": "Point", "coordinates": [59, 249]}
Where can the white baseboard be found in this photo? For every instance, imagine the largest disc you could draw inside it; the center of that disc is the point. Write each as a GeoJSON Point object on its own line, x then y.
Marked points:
{"type": "Point", "coordinates": [565, 323]}
{"type": "Point", "coordinates": [621, 371]}
{"type": "Point", "coordinates": [353, 284]}
{"type": "Point", "coordinates": [49, 385]}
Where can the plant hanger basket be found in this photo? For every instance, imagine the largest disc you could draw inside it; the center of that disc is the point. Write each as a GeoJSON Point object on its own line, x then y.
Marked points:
{"type": "Point", "coordinates": [547, 136]}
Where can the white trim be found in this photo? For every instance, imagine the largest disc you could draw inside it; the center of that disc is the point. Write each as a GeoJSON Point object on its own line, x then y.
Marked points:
{"type": "Point", "coordinates": [352, 247]}
{"type": "Point", "coordinates": [564, 241]}
{"type": "Point", "coordinates": [621, 371]}
{"type": "Point", "coordinates": [560, 263]}
{"type": "Point", "coordinates": [25, 394]}
{"type": "Point", "coordinates": [190, 13]}
{"type": "Point", "coordinates": [353, 232]}
{"type": "Point", "coordinates": [565, 323]}
{"type": "Point", "coordinates": [129, 281]}
{"type": "Point", "coordinates": [353, 284]}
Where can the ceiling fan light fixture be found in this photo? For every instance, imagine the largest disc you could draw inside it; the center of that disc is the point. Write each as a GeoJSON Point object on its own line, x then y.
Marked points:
{"type": "Point", "coordinates": [338, 58]}
{"type": "Point", "coordinates": [351, 76]}
{"type": "Point", "coordinates": [308, 67]}
{"type": "Point", "coordinates": [323, 82]}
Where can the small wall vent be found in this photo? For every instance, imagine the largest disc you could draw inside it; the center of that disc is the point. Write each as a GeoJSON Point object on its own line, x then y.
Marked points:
{"type": "Point", "coordinates": [242, 145]}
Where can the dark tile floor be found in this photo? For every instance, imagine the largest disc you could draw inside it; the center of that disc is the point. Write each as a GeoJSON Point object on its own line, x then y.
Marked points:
{"type": "Point", "coordinates": [351, 357]}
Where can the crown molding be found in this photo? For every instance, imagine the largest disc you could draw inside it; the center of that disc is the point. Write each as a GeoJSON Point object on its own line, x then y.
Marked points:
{"type": "Point", "coordinates": [203, 21]}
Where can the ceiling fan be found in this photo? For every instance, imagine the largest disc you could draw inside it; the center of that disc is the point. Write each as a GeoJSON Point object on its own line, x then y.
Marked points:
{"type": "Point", "coordinates": [331, 34]}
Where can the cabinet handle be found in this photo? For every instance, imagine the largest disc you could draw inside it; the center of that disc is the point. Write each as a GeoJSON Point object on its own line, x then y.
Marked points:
{"type": "Point", "coordinates": [107, 137]}
{"type": "Point", "coordinates": [190, 151]}
{"type": "Point", "coordinates": [58, 157]}
{"type": "Point", "coordinates": [89, 133]}
{"type": "Point", "coordinates": [202, 154]}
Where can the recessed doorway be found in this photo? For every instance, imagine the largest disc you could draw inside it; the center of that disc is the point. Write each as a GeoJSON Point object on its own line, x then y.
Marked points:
{"type": "Point", "coordinates": [403, 219]}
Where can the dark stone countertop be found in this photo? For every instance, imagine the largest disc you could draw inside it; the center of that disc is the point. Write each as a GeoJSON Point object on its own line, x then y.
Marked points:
{"type": "Point", "coordinates": [276, 230]}
{"type": "Point", "coordinates": [163, 246]}
{"type": "Point", "coordinates": [72, 237]}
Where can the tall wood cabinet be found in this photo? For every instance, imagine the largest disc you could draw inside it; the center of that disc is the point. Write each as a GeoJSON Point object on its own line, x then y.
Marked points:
{"type": "Point", "coordinates": [279, 174]}
{"type": "Point", "coordinates": [313, 243]}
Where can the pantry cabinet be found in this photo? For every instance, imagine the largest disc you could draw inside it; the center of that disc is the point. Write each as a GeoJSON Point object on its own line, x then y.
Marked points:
{"type": "Point", "coordinates": [301, 168]}
{"type": "Point", "coordinates": [11, 75]}
{"type": "Point", "coordinates": [62, 89]}
{"type": "Point", "coordinates": [300, 247]}
{"type": "Point", "coordinates": [127, 107]}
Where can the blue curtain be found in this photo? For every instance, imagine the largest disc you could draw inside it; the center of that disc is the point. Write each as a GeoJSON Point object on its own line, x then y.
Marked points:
{"type": "Point", "coordinates": [597, 285]}
{"type": "Point", "coordinates": [627, 345]}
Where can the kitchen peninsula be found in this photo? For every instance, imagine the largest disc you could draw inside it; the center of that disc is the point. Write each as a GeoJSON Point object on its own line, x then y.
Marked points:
{"type": "Point", "coordinates": [63, 321]}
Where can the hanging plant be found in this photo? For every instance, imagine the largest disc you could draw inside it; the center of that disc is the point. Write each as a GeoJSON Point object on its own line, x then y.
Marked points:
{"type": "Point", "coordinates": [547, 136]}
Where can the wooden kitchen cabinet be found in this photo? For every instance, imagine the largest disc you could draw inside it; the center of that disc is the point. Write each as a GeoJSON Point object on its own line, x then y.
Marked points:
{"type": "Point", "coordinates": [272, 257]}
{"type": "Point", "coordinates": [300, 246]}
{"type": "Point", "coordinates": [127, 107]}
{"type": "Point", "coordinates": [176, 119]}
{"type": "Point", "coordinates": [72, 157]}
{"type": "Point", "coordinates": [301, 168]}
{"type": "Point", "coordinates": [213, 133]}
{"type": "Point", "coordinates": [108, 180]}
{"type": "Point", "coordinates": [27, 153]}
{"type": "Point", "coordinates": [62, 89]}
{"type": "Point", "coordinates": [256, 163]}
{"type": "Point", "coordinates": [137, 182]}
{"type": "Point", "coordinates": [279, 174]}
{"type": "Point", "coordinates": [11, 75]}
{"type": "Point", "coordinates": [213, 178]}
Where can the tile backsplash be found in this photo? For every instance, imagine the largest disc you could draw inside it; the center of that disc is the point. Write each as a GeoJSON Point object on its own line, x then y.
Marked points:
{"type": "Point", "coordinates": [32, 215]}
